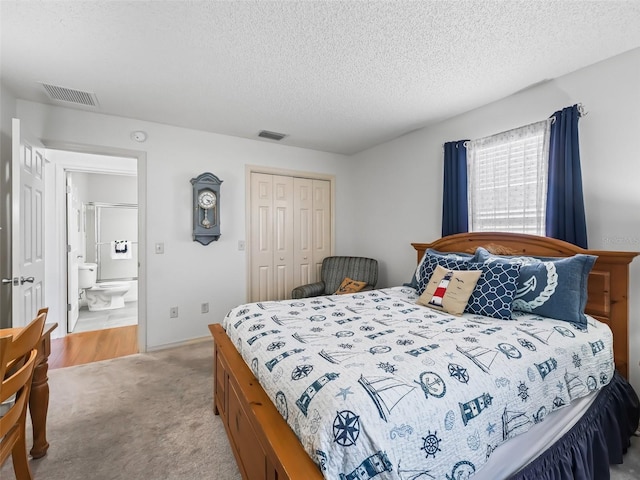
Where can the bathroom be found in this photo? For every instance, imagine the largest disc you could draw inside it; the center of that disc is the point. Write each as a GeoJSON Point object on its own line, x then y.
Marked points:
{"type": "Point", "coordinates": [102, 232]}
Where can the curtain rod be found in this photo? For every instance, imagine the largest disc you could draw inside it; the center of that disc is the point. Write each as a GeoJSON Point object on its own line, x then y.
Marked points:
{"type": "Point", "coordinates": [581, 112]}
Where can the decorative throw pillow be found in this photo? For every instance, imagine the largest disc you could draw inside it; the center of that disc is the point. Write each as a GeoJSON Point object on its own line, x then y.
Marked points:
{"type": "Point", "coordinates": [449, 290]}
{"type": "Point", "coordinates": [550, 286]}
{"type": "Point", "coordinates": [434, 253]}
{"type": "Point", "coordinates": [433, 258]}
{"type": "Point", "coordinates": [495, 290]}
{"type": "Point", "coordinates": [350, 286]}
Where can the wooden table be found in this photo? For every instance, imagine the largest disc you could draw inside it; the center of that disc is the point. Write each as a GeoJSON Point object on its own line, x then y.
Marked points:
{"type": "Point", "coordinates": [39, 396]}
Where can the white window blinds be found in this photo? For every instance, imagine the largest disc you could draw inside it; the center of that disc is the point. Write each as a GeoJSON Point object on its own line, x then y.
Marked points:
{"type": "Point", "coordinates": [507, 180]}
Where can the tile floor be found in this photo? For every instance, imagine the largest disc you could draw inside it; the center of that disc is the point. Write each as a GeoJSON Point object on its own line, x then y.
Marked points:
{"type": "Point", "coordinates": [120, 317]}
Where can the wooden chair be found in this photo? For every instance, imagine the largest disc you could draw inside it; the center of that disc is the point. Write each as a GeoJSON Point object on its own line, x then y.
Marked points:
{"type": "Point", "coordinates": [17, 362]}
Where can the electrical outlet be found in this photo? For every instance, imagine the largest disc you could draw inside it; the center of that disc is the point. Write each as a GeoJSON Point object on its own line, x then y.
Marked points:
{"type": "Point", "coordinates": [204, 308]}
{"type": "Point", "coordinates": [159, 248]}
{"type": "Point", "coordinates": [173, 312]}
{"type": "Point", "coordinates": [241, 245]}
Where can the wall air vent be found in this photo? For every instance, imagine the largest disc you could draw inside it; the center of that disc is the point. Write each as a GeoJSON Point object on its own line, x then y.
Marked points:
{"type": "Point", "coordinates": [271, 135]}
{"type": "Point", "coordinates": [70, 95]}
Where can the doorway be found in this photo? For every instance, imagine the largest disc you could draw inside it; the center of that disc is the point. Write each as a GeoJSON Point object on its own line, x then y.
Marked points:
{"type": "Point", "coordinates": [102, 252]}
{"type": "Point", "coordinates": [95, 225]}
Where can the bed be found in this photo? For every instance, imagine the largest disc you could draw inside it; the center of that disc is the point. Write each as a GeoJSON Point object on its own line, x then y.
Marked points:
{"type": "Point", "coordinates": [399, 359]}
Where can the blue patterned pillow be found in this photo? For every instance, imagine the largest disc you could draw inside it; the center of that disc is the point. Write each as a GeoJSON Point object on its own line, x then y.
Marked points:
{"type": "Point", "coordinates": [431, 254]}
{"type": "Point", "coordinates": [495, 290]}
{"type": "Point", "coordinates": [550, 286]}
{"type": "Point", "coordinates": [431, 259]}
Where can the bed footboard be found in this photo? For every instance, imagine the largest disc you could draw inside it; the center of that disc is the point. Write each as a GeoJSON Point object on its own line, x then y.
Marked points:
{"type": "Point", "coordinates": [263, 444]}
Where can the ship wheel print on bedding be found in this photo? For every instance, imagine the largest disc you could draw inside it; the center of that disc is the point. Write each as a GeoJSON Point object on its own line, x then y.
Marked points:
{"type": "Point", "coordinates": [458, 372]}
{"type": "Point", "coordinates": [527, 344]}
{"type": "Point", "coordinates": [431, 444]}
{"type": "Point", "coordinates": [346, 428]}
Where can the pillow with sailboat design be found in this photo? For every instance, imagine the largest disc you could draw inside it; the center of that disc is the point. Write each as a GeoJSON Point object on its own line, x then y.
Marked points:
{"type": "Point", "coordinates": [551, 287]}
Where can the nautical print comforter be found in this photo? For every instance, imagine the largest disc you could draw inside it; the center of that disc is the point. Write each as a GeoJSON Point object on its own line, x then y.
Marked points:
{"type": "Point", "coordinates": [374, 385]}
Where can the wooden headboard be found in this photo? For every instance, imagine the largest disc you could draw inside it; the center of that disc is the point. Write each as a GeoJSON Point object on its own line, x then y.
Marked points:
{"type": "Point", "coordinates": [608, 287]}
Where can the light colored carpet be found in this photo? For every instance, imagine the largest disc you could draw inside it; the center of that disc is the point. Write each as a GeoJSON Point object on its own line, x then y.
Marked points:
{"type": "Point", "coordinates": [146, 416]}
{"type": "Point", "coordinates": [149, 417]}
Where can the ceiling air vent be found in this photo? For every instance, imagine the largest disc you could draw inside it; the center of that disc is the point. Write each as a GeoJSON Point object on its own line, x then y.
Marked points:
{"type": "Point", "coordinates": [271, 135]}
{"type": "Point", "coordinates": [70, 95]}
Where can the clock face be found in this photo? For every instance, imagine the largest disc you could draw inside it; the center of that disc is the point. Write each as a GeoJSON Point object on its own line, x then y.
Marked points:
{"type": "Point", "coordinates": [207, 199]}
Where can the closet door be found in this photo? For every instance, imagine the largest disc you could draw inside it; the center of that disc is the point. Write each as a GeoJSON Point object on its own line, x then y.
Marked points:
{"type": "Point", "coordinates": [290, 233]}
{"type": "Point", "coordinates": [304, 271]}
{"type": "Point", "coordinates": [321, 223]}
{"type": "Point", "coordinates": [283, 237]}
{"type": "Point", "coordinates": [261, 237]}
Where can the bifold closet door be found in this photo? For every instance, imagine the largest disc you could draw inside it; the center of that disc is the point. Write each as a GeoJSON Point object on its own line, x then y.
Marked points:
{"type": "Point", "coordinates": [322, 222]}
{"type": "Point", "coordinates": [304, 271]}
{"type": "Point", "coordinates": [290, 233]}
{"type": "Point", "coordinates": [312, 228]}
{"type": "Point", "coordinates": [283, 237]}
{"type": "Point", "coordinates": [271, 237]}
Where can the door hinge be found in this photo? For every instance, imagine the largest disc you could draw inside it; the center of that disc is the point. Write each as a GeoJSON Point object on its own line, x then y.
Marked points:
{"type": "Point", "coordinates": [68, 307]}
{"type": "Point", "coordinates": [68, 248]}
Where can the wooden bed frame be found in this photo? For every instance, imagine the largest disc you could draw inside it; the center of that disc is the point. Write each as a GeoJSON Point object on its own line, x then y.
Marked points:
{"type": "Point", "coordinates": [267, 449]}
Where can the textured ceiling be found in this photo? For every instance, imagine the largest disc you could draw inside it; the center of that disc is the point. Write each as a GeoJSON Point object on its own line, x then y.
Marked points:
{"type": "Point", "coordinates": [334, 76]}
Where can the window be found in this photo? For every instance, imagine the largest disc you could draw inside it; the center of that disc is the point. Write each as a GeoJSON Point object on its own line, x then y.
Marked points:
{"type": "Point", "coordinates": [507, 180]}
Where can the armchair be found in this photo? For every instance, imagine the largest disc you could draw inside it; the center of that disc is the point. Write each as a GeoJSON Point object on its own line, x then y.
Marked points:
{"type": "Point", "coordinates": [334, 270]}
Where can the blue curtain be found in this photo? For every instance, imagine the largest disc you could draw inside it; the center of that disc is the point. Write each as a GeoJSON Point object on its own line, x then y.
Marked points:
{"type": "Point", "coordinates": [565, 203]}
{"type": "Point", "coordinates": [455, 211]}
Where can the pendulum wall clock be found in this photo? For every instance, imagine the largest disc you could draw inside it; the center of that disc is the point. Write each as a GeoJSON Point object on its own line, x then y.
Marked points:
{"type": "Point", "coordinates": [206, 208]}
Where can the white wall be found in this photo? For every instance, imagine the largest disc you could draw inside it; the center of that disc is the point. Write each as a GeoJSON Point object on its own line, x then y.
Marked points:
{"type": "Point", "coordinates": [401, 180]}
{"type": "Point", "coordinates": [187, 274]}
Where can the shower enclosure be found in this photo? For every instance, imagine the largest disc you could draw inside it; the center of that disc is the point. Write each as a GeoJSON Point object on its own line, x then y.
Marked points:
{"type": "Point", "coordinates": [107, 223]}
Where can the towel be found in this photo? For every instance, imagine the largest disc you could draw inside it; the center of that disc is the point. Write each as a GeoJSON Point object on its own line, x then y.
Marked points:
{"type": "Point", "coordinates": [121, 249]}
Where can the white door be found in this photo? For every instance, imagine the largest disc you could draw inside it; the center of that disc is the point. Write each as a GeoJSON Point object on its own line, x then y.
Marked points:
{"type": "Point", "coordinates": [290, 233]}
{"type": "Point", "coordinates": [27, 226]}
{"type": "Point", "coordinates": [322, 221]}
{"type": "Point", "coordinates": [261, 237]}
{"type": "Point", "coordinates": [73, 252]}
{"type": "Point", "coordinates": [283, 237]}
{"type": "Point", "coordinates": [304, 269]}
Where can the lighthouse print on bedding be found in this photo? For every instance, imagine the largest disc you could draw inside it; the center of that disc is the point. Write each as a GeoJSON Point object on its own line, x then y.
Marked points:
{"type": "Point", "coordinates": [377, 387]}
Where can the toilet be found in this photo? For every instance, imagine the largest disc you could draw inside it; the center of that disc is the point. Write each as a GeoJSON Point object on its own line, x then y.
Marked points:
{"type": "Point", "coordinates": [100, 296]}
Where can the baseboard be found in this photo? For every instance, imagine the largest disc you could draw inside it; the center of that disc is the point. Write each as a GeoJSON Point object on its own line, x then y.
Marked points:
{"type": "Point", "coordinates": [182, 343]}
